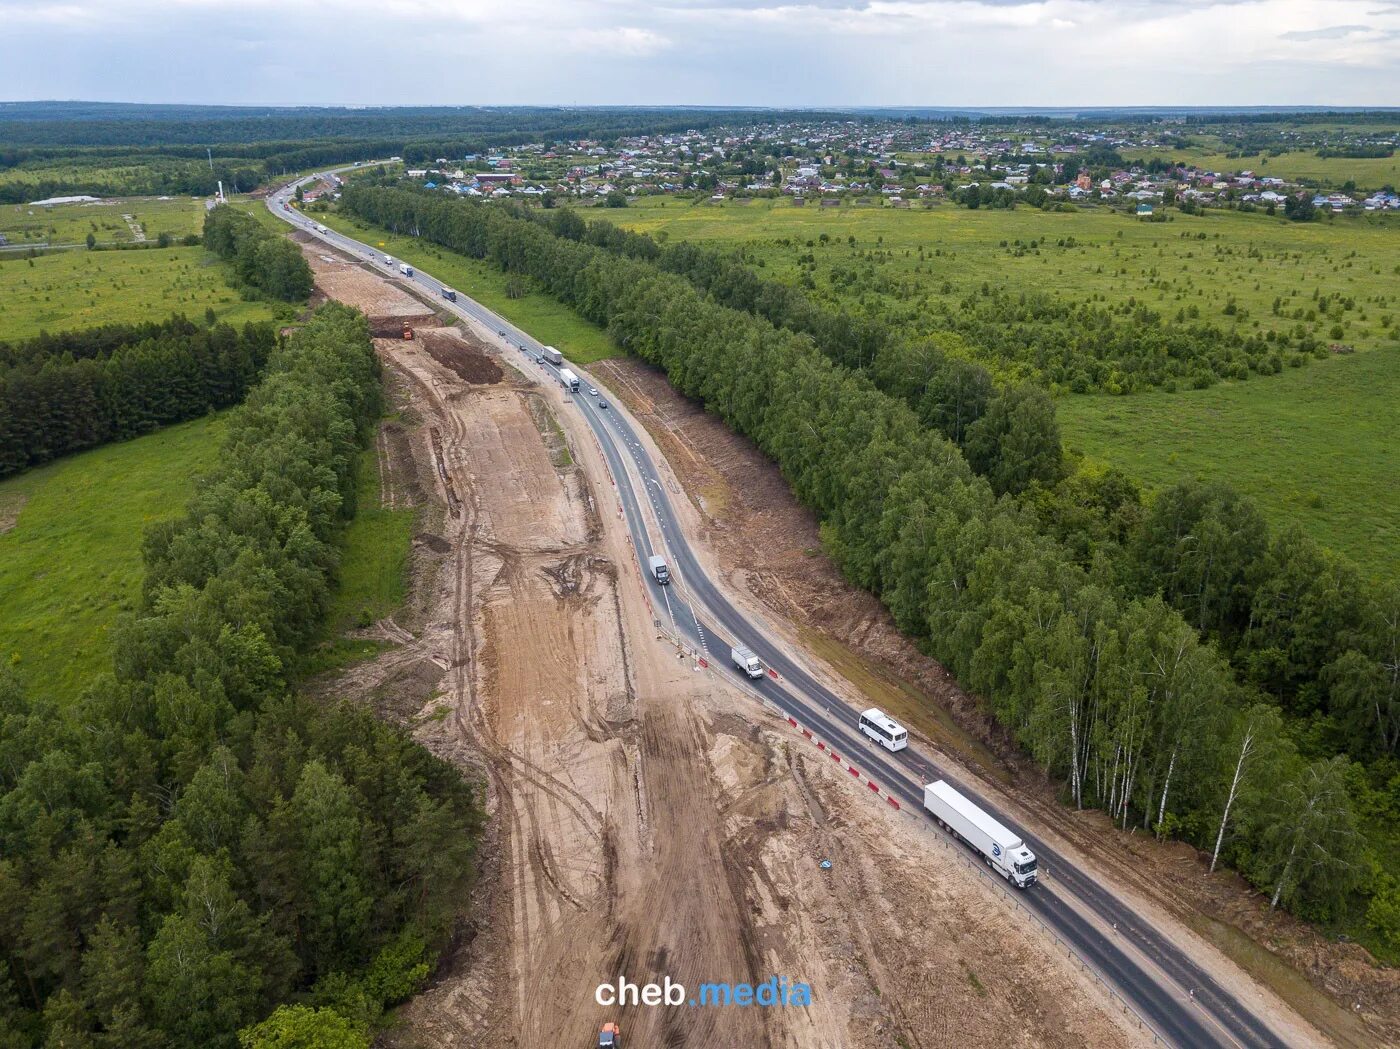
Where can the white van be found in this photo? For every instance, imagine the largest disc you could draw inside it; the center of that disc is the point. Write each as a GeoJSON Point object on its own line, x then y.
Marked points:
{"type": "Point", "coordinates": [883, 729]}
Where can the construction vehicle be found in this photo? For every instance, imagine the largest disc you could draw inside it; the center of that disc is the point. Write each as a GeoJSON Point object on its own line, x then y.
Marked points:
{"type": "Point", "coordinates": [407, 331]}
{"type": "Point", "coordinates": [610, 1037]}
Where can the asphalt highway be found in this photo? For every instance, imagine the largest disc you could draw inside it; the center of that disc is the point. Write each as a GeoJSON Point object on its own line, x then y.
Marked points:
{"type": "Point", "coordinates": [1182, 1004]}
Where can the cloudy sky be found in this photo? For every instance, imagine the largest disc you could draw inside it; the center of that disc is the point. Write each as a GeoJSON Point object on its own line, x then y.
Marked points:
{"type": "Point", "coordinates": [745, 52]}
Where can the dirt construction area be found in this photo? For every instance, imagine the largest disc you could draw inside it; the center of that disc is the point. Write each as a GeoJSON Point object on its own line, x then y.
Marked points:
{"type": "Point", "coordinates": [649, 820]}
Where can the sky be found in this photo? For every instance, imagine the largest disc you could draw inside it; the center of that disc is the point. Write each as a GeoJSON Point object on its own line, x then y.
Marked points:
{"type": "Point", "coordinates": [801, 53]}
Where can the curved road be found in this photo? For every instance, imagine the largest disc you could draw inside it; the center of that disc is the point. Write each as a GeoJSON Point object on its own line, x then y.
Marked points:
{"type": "Point", "coordinates": [1179, 1001]}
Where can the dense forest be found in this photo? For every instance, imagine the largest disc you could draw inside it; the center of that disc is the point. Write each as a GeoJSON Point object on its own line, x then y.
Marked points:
{"type": "Point", "coordinates": [188, 843]}
{"type": "Point", "coordinates": [261, 259]}
{"type": "Point", "coordinates": [63, 393]}
{"type": "Point", "coordinates": [1103, 680]}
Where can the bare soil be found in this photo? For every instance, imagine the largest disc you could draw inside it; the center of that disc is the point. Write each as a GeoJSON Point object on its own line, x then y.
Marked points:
{"type": "Point", "coordinates": [771, 552]}
{"type": "Point", "coordinates": [10, 507]}
{"type": "Point", "coordinates": [646, 819]}
{"type": "Point", "coordinates": [340, 278]}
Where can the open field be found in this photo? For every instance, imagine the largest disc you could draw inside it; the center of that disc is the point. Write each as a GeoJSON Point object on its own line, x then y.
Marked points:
{"type": "Point", "coordinates": [80, 289]}
{"type": "Point", "coordinates": [71, 223]}
{"type": "Point", "coordinates": [1318, 445]}
{"type": "Point", "coordinates": [540, 314]}
{"type": "Point", "coordinates": [1209, 262]}
{"type": "Point", "coordinates": [1314, 444]}
{"type": "Point", "coordinates": [70, 548]}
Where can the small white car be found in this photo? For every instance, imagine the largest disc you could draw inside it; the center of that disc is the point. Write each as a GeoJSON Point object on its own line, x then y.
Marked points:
{"type": "Point", "coordinates": [592, 392]}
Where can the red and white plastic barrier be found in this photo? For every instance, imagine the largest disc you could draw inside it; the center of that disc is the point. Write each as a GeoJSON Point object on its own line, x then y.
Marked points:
{"type": "Point", "coordinates": [855, 772]}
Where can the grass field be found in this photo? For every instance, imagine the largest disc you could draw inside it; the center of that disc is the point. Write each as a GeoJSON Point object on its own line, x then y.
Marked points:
{"type": "Point", "coordinates": [536, 312]}
{"type": "Point", "coordinates": [79, 289]}
{"type": "Point", "coordinates": [72, 560]}
{"type": "Point", "coordinates": [71, 223]}
{"type": "Point", "coordinates": [1317, 445]}
{"type": "Point", "coordinates": [901, 258]}
{"type": "Point", "coordinates": [373, 573]}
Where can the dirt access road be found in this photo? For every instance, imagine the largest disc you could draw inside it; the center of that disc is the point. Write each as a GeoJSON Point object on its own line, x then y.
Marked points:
{"type": "Point", "coordinates": [649, 820]}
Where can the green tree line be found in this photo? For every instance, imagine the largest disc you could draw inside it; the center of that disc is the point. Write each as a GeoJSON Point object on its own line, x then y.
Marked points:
{"type": "Point", "coordinates": [63, 393]}
{"type": "Point", "coordinates": [261, 259]}
{"type": "Point", "coordinates": [1298, 621]}
{"type": "Point", "coordinates": [188, 843]}
{"type": "Point", "coordinates": [1112, 691]}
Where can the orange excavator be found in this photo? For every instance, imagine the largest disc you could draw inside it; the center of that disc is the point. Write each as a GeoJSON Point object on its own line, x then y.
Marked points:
{"type": "Point", "coordinates": [407, 331]}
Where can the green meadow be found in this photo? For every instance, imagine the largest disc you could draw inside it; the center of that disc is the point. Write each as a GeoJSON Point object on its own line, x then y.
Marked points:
{"type": "Point", "coordinates": [1230, 266]}
{"type": "Point", "coordinates": [71, 223]}
{"type": "Point", "coordinates": [82, 289]}
{"type": "Point", "coordinates": [1317, 445]}
{"type": "Point", "coordinates": [70, 548]}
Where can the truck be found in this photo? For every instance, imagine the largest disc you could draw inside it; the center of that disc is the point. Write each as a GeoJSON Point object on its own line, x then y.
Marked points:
{"type": "Point", "coordinates": [568, 379]}
{"type": "Point", "coordinates": [1002, 849]}
{"type": "Point", "coordinates": [449, 294]}
{"type": "Point", "coordinates": [553, 356]}
{"type": "Point", "coordinates": [405, 269]}
{"type": "Point", "coordinates": [746, 661]}
{"type": "Point", "coordinates": [659, 571]}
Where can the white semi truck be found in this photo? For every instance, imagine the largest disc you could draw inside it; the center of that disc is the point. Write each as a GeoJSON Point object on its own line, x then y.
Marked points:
{"type": "Point", "coordinates": [405, 269]}
{"type": "Point", "coordinates": [1003, 849]}
{"type": "Point", "coordinates": [746, 661]}
{"type": "Point", "coordinates": [568, 379]}
{"type": "Point", "coordinates": [553, 356]}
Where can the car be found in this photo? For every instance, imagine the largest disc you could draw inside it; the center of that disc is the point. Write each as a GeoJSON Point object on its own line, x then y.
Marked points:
{"type": "Point", "coordinates": [602, 403]}
{"type": "Point", "coordinates": [539, 359]}
{"type": "Point", "coordinates": [592, 392]}
{"type": "Point", "coordinates": [502, 333]}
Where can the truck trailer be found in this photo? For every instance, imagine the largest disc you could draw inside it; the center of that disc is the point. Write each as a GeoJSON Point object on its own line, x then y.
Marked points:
{"type": "Point", "coordinates": [1003, 850]}
{"type": "Point", "coordinates": [568, 379]}
{"type": "Point", "coordinates": [746, 661]}
{"type": "Point", "coordinates": [449, 294]}
{"type": "Point", "coordinates": [553, 356]}
{"type": "Point", "coordinates": [659, 571]}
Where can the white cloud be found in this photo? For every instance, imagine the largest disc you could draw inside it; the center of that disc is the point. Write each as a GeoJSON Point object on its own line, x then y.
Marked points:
{"type": "Point", "coordinates": [621, 40]}
{"type": "Point", "coordinates": [754, 52]}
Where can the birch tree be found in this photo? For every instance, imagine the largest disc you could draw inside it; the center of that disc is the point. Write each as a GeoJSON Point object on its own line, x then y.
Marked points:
{"type": "Point", "coordinates": [1255, 732]}
{"type": "Point", "coordinates": [1308, 848]}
